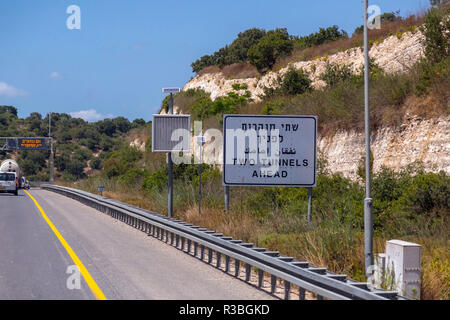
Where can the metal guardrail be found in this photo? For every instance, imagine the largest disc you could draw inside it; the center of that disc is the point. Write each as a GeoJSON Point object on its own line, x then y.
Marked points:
{"type": "Point", "coordinates": [38, 184]}
{"type": "Point", "coordinates": [194, 240]}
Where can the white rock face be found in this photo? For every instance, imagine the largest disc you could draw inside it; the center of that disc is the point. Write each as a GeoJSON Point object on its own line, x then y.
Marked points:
{"type": "Point", "coordinates": [392, 55]}
{"type": "Point", "coordinates": [427, 141]}
{"type": "Point", "coordinates": [138, 144]}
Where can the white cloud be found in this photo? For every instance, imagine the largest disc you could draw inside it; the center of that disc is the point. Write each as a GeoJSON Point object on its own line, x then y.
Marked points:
{"type": "Point", "coordinates": [90, 115]}
{"type": "Point", "coordinates": [55, 75]}
{"type": "Point", "coordinates": [10, 91]}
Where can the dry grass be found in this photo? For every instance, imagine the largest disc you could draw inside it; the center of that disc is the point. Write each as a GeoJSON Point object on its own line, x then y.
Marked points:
{"type": "Point", "coordinates": [240, 71]}
{"type": "Point", "coordinates": [209, 69]}
{"type": "Point", "coordinates": [235, 224]}
{"type": "Point", "coordinates": [435, 273]}
{"type": "Point", "coordinates": [387, 29]}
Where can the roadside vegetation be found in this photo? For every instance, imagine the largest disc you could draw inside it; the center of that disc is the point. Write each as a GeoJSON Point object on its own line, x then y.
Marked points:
{"type": "Point", "coordinates": [80, 147]}
{"type": "Point", "coordinates": [256, 51]}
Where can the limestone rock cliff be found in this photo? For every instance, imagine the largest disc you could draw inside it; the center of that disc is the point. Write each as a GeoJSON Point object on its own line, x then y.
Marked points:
{"type": "Point", "coordinates": [394, 54]}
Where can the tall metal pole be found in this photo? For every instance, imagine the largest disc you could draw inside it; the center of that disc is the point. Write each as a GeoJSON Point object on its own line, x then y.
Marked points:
{"type": "Point", "coordinates": [51, 162]}
{"type": "Point", "coordinates": [200, 184]}
{"type": "Point", "coordinates": [170, 164]}
{"type": "Point", "coordinates": [368, 220]}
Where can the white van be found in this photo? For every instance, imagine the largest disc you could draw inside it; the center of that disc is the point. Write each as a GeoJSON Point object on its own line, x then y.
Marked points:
{"type": "Point", "coordinates": [9, 182]}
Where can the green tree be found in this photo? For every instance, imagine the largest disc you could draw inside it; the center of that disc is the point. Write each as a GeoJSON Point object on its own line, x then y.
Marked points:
{"type": "Point", "coordinates": [8, 109]}
{"type": "Point", "coordinates": [324, 35]}
{"type": "Point", "coordinates": [245, 40]}
{"type": "Point", "coordinates": [436, 29]}
{"type": "Point", "coordinates": [277, 43]}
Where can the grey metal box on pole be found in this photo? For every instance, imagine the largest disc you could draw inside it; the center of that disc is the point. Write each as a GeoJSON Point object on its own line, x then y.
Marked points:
{"type": "Point", "coordinates": [171, 133]}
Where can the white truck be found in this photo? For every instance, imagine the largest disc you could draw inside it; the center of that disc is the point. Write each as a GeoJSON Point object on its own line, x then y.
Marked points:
{"type": "Point", "coordinates": [9, 183]}
{"type": "Point", "coordinates": [10, 165]}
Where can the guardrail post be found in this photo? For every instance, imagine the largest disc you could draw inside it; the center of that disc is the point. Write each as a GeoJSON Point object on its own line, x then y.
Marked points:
{"type": "Point", "coordinates": [301, 294]}
{"type": "Point", "coordinates": [177, 240]}
{"type": "Point", "coordinates": [182, 244]}
{"type": "Point", "coordinates": [287, 289]}
{"type": "Point", "coordinates": [237, 265]}
{"type": "Point", "coordinates": [195, 249]}
{"type": "Point", "coordinates": [260, 277]}
{"type": "Point", "coordinates": [227, 264]}
{"type": "Point", "coordinates": [248, 271]}
{"type": "Point", "coordinates": [210, 253]}
{"type": "Point", "coordinates": [189, 242]}
{"type": "Point", "coordinates": [218, 256]}
{"type": "Point", "coordinates": [202, 252]}
{"type": "Point", "coordinates": [273, 283]}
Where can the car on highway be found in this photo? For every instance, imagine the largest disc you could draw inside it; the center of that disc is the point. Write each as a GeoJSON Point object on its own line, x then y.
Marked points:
{"type": "Point", "coordinates": [9, 182]}
{"type": "Point", "coordinates": [27, 185]}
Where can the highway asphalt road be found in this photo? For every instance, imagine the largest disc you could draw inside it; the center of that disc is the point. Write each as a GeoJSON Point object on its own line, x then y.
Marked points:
{"type": "Point", "coordinates": [123, 262]}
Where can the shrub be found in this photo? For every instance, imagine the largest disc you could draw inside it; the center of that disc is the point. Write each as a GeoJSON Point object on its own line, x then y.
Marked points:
{"type": "Point", "coordinates": [322, 36]}
{"type": "Point", "coordinates": [156, 181]}
{"type": "Point", "coordinates": [205, 107]}
{"type": "Point", "coordinates": [335, 74]}
{"type": "Point", "coordinates": [96, 163]}
{"type": "Point", "coordinates": [122, 160]}
{"type": "Point", "coordinates": [133, 178]}
{"type": "Point", "coordinates": [434, 76]}
{"type": "Point", "coordinates": [273, 107]}
{"type": "Point", "coordinates": [436, 30]}
{"type": "Point", "coordinates": [429, 192]}
{"type": "Point", "coordinates": [295, 81]}
{"type": "Point", "coordinates": [76, 167]}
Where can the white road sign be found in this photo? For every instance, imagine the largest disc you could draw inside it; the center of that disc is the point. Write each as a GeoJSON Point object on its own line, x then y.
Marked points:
{"type": "Point", "coordinates": [269, 150]}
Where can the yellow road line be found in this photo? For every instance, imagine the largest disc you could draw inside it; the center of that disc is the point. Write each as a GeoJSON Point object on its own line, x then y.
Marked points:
{"type": "Point", "coordinates": [89, 280]}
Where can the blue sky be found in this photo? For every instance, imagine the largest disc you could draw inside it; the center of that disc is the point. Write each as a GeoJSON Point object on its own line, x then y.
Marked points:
{"type": "Point", "coordinates": [126, 51]}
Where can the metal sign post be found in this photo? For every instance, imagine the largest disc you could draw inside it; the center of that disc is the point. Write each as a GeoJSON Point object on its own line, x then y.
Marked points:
{"type": "Point", "coordinates": [368, 202]}
{"type": "Point", "coordinates": [170, 164]}
{"type": "Point", "coordinates": [309, 204]}
{"type": "Point", "coordinates": [169, 155]}
{"type": "Point", "coordinates": [200, 142]}
{"type": "Point", "coordinates": [227, 199]}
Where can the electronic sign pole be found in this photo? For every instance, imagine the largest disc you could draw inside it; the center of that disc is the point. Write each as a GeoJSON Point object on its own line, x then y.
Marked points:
{"type": "Point", "coordinates": [169, 154]}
